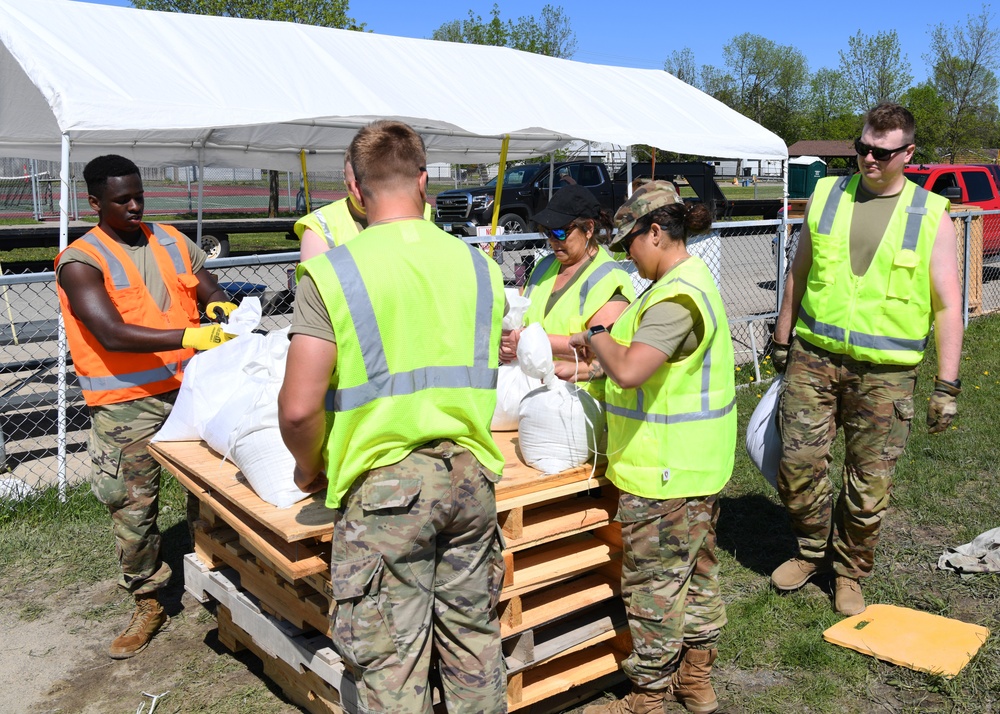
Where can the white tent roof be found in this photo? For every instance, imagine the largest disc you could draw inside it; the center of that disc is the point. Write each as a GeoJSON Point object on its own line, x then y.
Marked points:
{"type": "Point", "coordinates": [160, 86]}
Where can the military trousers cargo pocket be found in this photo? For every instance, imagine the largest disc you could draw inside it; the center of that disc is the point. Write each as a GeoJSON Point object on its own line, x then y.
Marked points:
{"type": "Point", "coordinates": [362, 631]}
{"type": "Point", "coordinates": [899, 429]}
{"type": "Point", "coordinates": [497, 569]}
{"type": "Point", "coordinates": [105, 467]}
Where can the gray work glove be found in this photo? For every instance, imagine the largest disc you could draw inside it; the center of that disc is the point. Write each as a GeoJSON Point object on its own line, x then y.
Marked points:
{"type": "Point", "coordinates": [779, 356]}
{"type": "Point", "coordinates": [943, 405]}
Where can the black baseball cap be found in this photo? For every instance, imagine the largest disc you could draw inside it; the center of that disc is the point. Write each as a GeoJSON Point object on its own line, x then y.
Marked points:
{"type": "Point", "coordinates": [567, 205]}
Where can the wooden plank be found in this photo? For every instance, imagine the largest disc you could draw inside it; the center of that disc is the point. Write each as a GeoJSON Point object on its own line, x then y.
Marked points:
{"type": "Point", "coordinates": [565, 673]}
{"type": "Point", "coordinates": [309, 518]}
{"type": "Point", "coordinates": [537, 608]}
{"type": "Point", "coordinates": [305, 688]}
{"type": "Point", "coordinates": [295, 560]}
{"type": "Point", "coordinates": [303, 613]}
{"type": "Point", "coordinates": [600, 623]}
{"type": "Point", "coordinates": [553, 562]}
{"type": "Point", "coordinates": [564, 518]}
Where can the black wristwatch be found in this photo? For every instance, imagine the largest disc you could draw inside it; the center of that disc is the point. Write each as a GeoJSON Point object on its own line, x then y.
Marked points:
{"type": "Point", "coordinates": [595, 330]}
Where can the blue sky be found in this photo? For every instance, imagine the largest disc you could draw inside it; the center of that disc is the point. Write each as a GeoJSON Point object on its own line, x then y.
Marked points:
{"type": "Point", "coordinates": [645, 38]}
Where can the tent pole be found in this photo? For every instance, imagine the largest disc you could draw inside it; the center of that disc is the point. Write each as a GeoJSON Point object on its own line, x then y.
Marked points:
{"type": "Point", "coordinates": [305, 179]}
{"type": "Point", "coordinates": [61, 334]}
{"type": "Point", "coordinates": [499, 191]}
{"type": "Point", "coordinates": [201, 191]}
{"type": "Point", "coordinates": [628, 170]}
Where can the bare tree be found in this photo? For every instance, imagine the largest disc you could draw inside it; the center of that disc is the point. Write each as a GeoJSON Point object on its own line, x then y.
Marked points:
{"type": "Point", "coordinates": [681, 64]}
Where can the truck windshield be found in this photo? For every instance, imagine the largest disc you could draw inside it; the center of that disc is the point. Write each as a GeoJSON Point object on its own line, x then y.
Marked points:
{"type": "Point", "coordinates": [513, 177]}
{"type": "Point", "coordinates": [919, 179]}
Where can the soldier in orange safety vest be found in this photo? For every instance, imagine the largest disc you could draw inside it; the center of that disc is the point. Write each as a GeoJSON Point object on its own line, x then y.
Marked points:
{"type": "Point", "coordinates": [129, 294]}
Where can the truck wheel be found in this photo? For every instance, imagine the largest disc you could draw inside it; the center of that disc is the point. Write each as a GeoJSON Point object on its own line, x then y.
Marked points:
{"type": "Point", "coordinates": [513, 223]}
{"type": "Point", "coordinates": [215, 247]}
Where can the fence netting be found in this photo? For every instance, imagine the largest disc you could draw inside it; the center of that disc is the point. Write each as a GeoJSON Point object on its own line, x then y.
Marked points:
{"type": "Point", "coordinates": [748, 259]}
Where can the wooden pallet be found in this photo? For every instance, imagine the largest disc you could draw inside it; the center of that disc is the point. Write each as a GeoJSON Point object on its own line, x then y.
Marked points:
{"type": "Point", "coordinates": [566, 654]}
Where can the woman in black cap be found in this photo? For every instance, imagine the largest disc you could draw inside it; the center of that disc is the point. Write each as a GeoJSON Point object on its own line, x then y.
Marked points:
{"type": "Point", "coordinates": [579, 285]}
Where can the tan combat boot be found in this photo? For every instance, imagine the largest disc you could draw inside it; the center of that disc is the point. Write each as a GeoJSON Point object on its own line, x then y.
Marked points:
{"type": "Point", "coordinates": [847, 596]}
{"type": "Point", "coordinates": [796, 572]}
{"type": "Point", "coordinates": [147, 619]}
{"type": "Point", "coordinates": [691, 684]}
{"type": "Point", "coordinates": [640, 701]}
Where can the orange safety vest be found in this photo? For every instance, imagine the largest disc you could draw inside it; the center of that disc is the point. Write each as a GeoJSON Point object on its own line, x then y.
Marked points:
{"type": "Point", "coordinates": [113, 377]}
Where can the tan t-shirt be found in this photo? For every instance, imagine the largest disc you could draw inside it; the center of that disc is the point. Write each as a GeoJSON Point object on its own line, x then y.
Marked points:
{"type": "Point", "coordinates": [868, 224]}
{"type": "Point", "coordinates": [674, 327]}
{"type": "Point", "coordinates": [145, 262]}
{"type": "Point", "coordinates": [310, 316]}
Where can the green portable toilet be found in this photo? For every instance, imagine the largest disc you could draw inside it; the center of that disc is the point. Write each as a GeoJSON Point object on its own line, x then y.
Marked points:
{"type": "Point", "coordinates": [803, 173]}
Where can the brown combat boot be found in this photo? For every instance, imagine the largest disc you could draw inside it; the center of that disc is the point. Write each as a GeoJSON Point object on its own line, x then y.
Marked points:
{"type": "Point", "coordinates": [691, 684]}
{"type": "Point", "coordinates": [147, 619]}
{"type": "Point", "coordinates": [640, 701]}
{"type": "Point", "coordinates": [847, 596]}
{"type": "Point", "coordinates": [796, 572]}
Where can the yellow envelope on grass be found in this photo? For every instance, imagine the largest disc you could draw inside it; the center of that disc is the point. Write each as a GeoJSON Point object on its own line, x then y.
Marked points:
{"type": "Point", "coordinates": [910, 638]}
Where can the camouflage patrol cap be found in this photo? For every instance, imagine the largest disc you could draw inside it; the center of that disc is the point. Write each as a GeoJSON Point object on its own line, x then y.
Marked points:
{"type": "Point", "coordinates": [647, 198]}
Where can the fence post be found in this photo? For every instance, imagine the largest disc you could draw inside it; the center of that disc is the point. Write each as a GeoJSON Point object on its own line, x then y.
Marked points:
{"type": "Point", "coordinates": [965, 267]}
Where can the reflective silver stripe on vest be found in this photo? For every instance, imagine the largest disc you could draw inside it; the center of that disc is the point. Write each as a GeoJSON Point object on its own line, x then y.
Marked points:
{"type": "Point", "coordinates": [824, 329]}
{"type": "Point", "coordinates": [170, 244]}
{"type": "Point", "coordinates": [915, 213]}
{"type": "Point", "coordinates": [540, 271]}
{"type": "Point", "coordinates": [133, 379]}
{"type": "Point", "coordinates": [862, 339]}
{"type": "Point", "coordinates": [640, 414]}
{"type": "Point", "coordinates": [594, 278]}
{"type": "Point", "coordinates": [327, 234]}
{"type": "Point", "coordinates": [381, 383]}
{"type": "Point", "coordinates": [119, 278]}
{"type": "Point", "coordinates": [830, 207]}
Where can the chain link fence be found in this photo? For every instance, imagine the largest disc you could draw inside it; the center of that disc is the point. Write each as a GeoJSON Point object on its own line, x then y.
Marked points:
{"type": "Point", "coordinates": [748, 260]}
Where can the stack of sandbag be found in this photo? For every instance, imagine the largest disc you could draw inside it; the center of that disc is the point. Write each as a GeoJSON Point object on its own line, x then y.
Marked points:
{"type": "Point", "coordinates": [229, 398]}
{"type": "Point", "coordinates": [559, 424]}
{"type": "Point", "coordinates": [512, 382]}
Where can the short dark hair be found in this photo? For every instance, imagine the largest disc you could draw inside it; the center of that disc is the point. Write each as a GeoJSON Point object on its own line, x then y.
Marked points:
{"type": "Point", "coordinates": [888, 116]}
{"type": "Point", "coordinates": [97, 172]}
{"type": "Point", "coordinates": [385, 154]}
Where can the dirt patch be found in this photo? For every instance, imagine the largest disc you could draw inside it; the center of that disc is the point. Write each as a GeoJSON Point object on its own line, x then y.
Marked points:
{"type": "Point", "coordinates": [54, 657]}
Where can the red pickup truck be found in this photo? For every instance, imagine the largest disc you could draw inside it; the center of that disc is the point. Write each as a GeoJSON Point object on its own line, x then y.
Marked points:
{"type": "Point", "coordinates": [966, 184]}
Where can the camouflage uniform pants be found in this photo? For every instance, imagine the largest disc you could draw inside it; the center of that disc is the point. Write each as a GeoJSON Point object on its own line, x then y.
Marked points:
{"type": "Point", "coordinates": [416, 569]}
{"type": "Point", "coordinates": [874, 405]}
{"type": "Point", "coordinates": [126, 479]}
{"type": "Point", "coordinates": [670, 582]}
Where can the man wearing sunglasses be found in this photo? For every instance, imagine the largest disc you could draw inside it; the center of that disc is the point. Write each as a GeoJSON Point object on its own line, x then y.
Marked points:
{"type": "Point", "coordinates": [876, 265]}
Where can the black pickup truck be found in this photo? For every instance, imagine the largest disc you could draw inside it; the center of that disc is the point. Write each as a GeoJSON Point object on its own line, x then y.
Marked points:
{"type": "Point", "coordinates": [526, 192]}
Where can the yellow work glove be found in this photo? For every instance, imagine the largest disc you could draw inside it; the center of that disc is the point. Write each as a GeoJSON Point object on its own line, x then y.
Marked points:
{"type": "Point", "coordinates": [214, 308]}
{"type": "Point", "coordinates": [943, 405]}
{"type": "Point", "coordinates": [205, 337]}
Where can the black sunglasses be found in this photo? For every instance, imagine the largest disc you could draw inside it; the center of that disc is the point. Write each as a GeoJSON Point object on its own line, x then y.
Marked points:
{"type": "Point", "coordinates": [877, 152]}
{"type": "Point", "coordinates": [626, 242]}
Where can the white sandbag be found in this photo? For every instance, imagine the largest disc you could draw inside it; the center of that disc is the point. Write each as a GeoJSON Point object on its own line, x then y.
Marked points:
{"type": "Point", "coordinates": [558, 423]}
{"type": "Point", "coordinates": [763, 442]}
{"type": "Point", "coordinates": [212, 377]}
{"type": "Point", "coordinates": [512, 386]}
{"type": "Point", "coordinates": [558, 427]}
{"type": "Point", "coordinates": [268, 466]}
{"type": "Point", "coordinates": [517, 308]}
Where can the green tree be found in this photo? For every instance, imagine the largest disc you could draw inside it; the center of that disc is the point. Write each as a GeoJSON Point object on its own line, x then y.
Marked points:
{"type": "Point", "coordinates": [325, 13]}
{"type": "Point", "coordinates": [680, 63]}
{"type": "Point", "coordinates": [931, 113]}
{"type": "Point", "coordinates": [827, 111]}
{"type": "Point", "coordinates": [875, 69]}
{"type": "Point", "coordinates": [551, 33]}
{"type": "Point", "coordinates": [964, 62]}
{"type": "Point", "coordinates": [763, 80]}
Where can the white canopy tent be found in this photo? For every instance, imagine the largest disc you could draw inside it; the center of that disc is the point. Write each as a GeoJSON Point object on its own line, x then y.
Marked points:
{"type": "Point", "coordinates": [172, 89]}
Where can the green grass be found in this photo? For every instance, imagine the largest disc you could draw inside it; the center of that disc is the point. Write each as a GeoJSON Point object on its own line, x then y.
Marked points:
{"type": "Point", "coordinates": [772, 654]}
